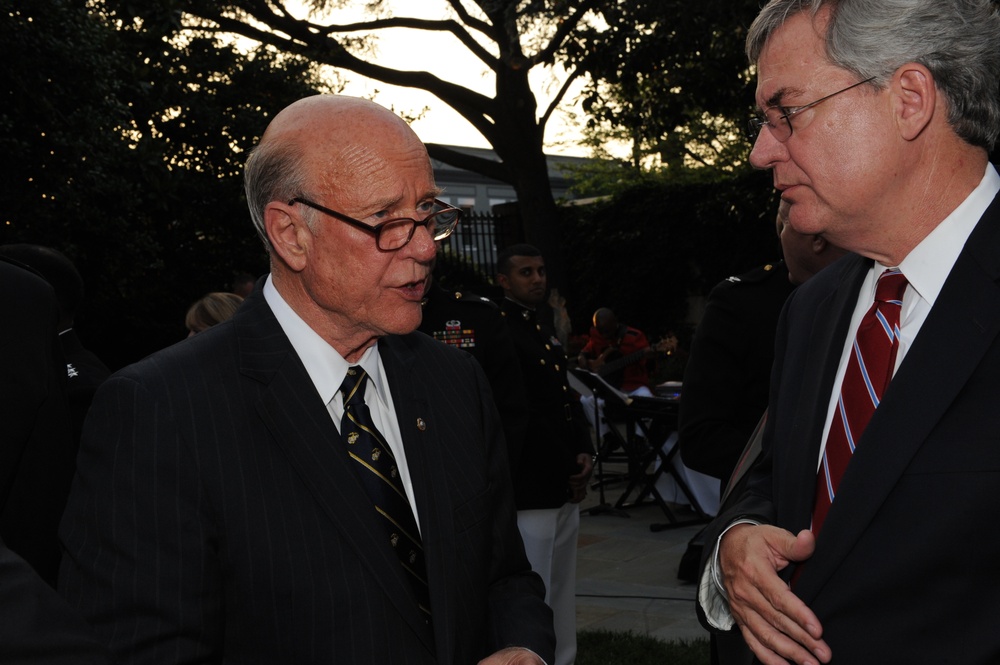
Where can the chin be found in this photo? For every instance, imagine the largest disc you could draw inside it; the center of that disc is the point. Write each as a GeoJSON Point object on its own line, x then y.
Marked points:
{"type": "Point", "coordinates": [406, 321]}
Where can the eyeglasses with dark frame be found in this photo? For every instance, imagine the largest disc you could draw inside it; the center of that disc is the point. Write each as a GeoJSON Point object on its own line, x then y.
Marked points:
{"type": "Point", "coordinates": [394, 234]}
{"type": "Point", "coordinates": [778, 118]}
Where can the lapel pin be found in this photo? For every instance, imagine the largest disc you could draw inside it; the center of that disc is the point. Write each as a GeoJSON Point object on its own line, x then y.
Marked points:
{"type": "Point", "coordinates": [421, 425]}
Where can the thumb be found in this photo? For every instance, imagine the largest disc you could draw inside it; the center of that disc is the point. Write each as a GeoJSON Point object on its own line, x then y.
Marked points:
{"type": "Point", "coordinates": [802, 547]}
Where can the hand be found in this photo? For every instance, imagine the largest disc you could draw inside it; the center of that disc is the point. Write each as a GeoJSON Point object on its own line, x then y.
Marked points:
{"type": "Point", "coordinates": [776, 625]}
{"type": "Point", "coordinates": [666, 345]}
{"type": "Point", "coordinates": [578, 481]}
{"type": "Point", "coordinates": [512, 656]}
{"type": "Point", "coordinates": [595, 364]}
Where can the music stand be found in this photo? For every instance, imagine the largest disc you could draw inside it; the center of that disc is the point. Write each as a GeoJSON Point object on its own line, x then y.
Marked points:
{"type": "Point", "coordinates": [580, 380]}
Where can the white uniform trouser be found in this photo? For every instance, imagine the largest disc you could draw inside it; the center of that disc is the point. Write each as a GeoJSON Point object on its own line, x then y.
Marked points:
{"type": "Point", "coordinates": [550, 540]}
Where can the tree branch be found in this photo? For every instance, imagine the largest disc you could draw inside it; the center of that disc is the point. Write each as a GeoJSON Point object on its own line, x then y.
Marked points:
{"type": "Point", "coordinates": [565, 27]}
{"type": "Point", "coordinates": [478, 109]}
{"type": "Point", "coordinates": [572, 76]}
{"type": "Point", "coordinates": [487, 167]}
{"type": "Point", "coordinates": [470, 21]}
{"type": "Point", "coordinates": [448, 25]}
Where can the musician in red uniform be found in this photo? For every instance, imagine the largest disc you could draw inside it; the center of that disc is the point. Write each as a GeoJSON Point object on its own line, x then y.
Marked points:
{"type": "Point", "coordinates": [618, 353]}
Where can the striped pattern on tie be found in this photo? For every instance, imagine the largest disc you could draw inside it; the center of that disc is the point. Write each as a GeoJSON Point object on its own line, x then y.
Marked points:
{"type": "Point", "coordinates": [869, 370]}
{"type": "Point", "coordinates": [376, 468]}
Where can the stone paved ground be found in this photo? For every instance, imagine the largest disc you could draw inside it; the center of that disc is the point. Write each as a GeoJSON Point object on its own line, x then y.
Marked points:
{"type": "Point", "coordinates": [627, 574]}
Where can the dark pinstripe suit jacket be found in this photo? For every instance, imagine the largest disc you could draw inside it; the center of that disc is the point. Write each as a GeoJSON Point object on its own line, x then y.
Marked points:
{"type": "Point", "coordinates": [214, 517]}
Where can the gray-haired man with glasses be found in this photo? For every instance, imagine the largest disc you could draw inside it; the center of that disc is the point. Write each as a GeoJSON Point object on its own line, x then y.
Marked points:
{"type": "Point", "coordinates": [219, 515]}
{"type": "Point", "coordinates": [867, 531]}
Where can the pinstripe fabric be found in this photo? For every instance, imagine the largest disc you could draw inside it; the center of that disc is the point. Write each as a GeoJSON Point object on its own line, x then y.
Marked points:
{"type": "Point", "coordinates": [207, 521]}
{"type": "Point", "coordinates": [869, 370]}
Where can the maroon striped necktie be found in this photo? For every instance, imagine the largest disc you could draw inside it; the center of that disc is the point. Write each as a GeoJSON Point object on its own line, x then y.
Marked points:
{"type": "Point", "coordinates": [869, 370]}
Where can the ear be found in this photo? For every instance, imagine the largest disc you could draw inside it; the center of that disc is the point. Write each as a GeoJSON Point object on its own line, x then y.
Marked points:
{"type": "Point", "coordinates": [915, 99]}
{"type": "Point", "coordinates": [288, 233]}
{"type": "Point", "coordinates": [502, 281]}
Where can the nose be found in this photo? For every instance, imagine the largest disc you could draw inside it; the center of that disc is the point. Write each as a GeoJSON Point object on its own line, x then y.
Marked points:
{"type": "Point", "coordinates": [422, 246]}
{"type": "Point", "coordinates": [767, 150]}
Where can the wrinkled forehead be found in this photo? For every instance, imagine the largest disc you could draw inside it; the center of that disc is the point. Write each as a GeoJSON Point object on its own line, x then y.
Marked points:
{"type": "Point", "coordinates": [403, 158]}
{"type": "Point", "coordinates": [793, 61]}
{"type": "Point", "coordinates": [376, 160]}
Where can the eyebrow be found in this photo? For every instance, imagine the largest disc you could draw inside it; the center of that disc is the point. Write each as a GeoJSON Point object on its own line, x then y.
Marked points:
{"type": "Point", "coordinates": [778, 96]}
{"type": "Point", "coordinates": [390, 203]}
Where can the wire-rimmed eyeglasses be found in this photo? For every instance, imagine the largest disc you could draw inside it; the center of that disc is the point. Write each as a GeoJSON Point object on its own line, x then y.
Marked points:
{"type": "Point", "coordinates": [778, 118]}
{"type": "Point", "coordinates": [394, 234]}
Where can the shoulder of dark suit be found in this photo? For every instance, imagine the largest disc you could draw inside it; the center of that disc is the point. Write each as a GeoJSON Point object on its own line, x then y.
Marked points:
{"type": "Point", "coordinates": [768, 271]}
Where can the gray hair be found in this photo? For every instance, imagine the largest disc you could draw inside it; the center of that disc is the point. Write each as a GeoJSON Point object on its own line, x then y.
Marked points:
{"type": "Point", "coordinates": [957, 40]}
{"type": "Point", "coordinates": [273, 172]}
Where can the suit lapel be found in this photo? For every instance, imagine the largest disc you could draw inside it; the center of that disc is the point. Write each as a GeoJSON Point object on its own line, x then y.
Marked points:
{"type": "Point", "coordinates": [959, 330]}
{"type": "Point", "coordinates": [424, 450]}
{"type": "Point", "coordinates": [300, 424]}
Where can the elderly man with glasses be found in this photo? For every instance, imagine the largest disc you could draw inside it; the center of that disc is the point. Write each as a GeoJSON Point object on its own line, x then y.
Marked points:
{"type": "Point", "coordinates": [310, 481]}
{"type": "Point", "coordinates": [866, 533]}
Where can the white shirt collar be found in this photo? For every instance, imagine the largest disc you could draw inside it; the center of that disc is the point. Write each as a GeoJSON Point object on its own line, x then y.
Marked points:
{"type": "Point", "coordinates": [928, 265]}
{"type": "Point", "coordinates": [324, 365]}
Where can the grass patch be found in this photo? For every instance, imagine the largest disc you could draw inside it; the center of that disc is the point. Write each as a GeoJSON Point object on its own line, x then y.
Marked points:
{"type": "Point", "coordinates": [603, 647]}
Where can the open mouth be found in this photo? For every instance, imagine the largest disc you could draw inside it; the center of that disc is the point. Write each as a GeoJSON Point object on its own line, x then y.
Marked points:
{"type": "Point", "coordinates": [414, 290]}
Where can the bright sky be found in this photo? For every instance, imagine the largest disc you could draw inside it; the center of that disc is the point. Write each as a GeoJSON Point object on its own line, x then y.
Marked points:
{"type": "Point", "coordinates": [443, 55]}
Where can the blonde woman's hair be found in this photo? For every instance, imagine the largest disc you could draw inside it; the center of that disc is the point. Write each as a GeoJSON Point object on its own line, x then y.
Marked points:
{"type": "Point", "coordinates": [214, 308]}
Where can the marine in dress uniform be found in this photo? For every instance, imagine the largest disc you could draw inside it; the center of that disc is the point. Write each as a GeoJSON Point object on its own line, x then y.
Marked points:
{"type": "Point", "coordinates": [557, 430]}
{"type": "Point", "coordinates": [557, 446]}
{"type": "Point", "coordinates": [474, 324]}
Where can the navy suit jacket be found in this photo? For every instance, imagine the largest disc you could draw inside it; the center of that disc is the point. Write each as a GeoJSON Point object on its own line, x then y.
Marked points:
{"type": "Point", "coordinates": [907, 565]}
{"type": "Point", "coordinates": [216, 518]}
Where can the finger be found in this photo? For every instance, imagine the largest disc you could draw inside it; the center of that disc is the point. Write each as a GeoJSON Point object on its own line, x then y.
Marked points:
{"type": "Point", "coordinates": [766, 655]}
{"type": "Point", "coordinates": [778, 618]}
{"type": "Point", "coordinates": [762, 592]}
{"type": "Point", "coordinates": [772, 640]}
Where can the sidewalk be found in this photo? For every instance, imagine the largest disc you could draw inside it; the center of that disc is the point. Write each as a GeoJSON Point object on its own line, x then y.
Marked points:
{"type": "Point", "coordinates": [627, 574]}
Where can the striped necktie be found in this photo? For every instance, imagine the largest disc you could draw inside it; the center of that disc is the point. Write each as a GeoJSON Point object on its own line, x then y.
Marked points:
{"type": "Point", "coordinates": [376, 467]}
{"type": "Point", "coordinates": [869, 370]}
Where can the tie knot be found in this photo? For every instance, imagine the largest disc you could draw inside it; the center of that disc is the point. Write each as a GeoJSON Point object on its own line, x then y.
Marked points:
{"type": "Point", "coordinates": [353, 387]}
{"type": "Point", "coordinates": [891, 285]}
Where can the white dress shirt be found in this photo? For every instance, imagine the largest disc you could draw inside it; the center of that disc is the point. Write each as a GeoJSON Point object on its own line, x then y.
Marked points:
{"type": "Point", "coordinates": [327, 370]}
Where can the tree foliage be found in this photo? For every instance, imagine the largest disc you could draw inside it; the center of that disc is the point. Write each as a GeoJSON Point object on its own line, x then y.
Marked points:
{"type": "Point", "coordinates": [670, 81]}
{"type": "Point", "coordinates": [124, 148]}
